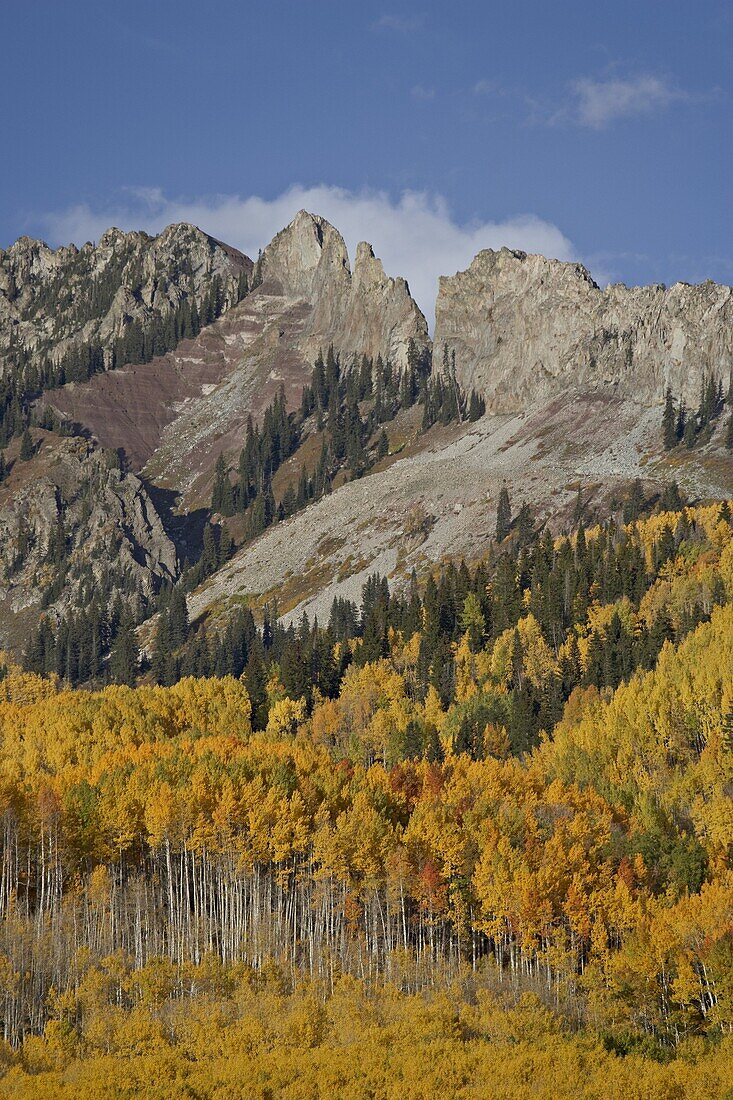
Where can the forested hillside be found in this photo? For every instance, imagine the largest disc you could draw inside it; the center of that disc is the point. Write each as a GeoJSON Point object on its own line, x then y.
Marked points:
{"type": "Point", "coordinates": [490, 817]}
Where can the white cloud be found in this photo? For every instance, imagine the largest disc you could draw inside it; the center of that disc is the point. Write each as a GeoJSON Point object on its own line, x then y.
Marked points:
{"type": "Point", "coordinates": [421, 92]}
{"type": "Point", "coordinates": [415, 235]}
{"type": "Point", "coordinates": [486, 87]}
{"type": "Point", "coordinates": [401, 23]}
{"type": "Point", "coordinates": [599, 102]}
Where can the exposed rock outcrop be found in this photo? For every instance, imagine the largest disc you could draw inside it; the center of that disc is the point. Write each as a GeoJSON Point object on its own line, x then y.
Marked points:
{"type": "Point", "coordinates": [51, 299]}
{"type": "Point", "coordinates": [71, 525]}
{"type": "Point", "coordinates": [578, 368]}
{"type": "Point", "coordinates": [364, 313]}
{"type": "Point", "coordinates": [525, 328]}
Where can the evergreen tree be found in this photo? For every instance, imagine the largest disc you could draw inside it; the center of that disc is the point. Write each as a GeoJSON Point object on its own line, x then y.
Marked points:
{"type": "Point", "coordinates": [669, 432]}
{"type": "Point", "coordinates": [690, 433]}
{"type": "Point", "coordinates": [476, 406]}
{"type": "Point", "coordinates": [525, 530]}
{"type": "Point", "coordinates": [670, 500]}
{"type": "Point", "coordinates": [125, 655]}
{"type": "Point", "coordinates": [177, 619]}
{"type": "Point", "coordinates": [634, 503]}
{"type": "Point", "coordinates": [433, 747]}
{"type": "Point", "coordinates": [210, 554]}
{"type": "Point", "coordinates": [681, 422]}
{"type": "Point", "coordinates": [503, 515]}
{"type": "Point", "coordinates": [226, 545]}
{"type": "Point", "coordinates": [27, 449]}
{"type": "Point", "coordinates": [594, 666]}
{"type": "Point", "coordinates": [163, 662]}
{"type": "Point", "coordinates": [222, 496]}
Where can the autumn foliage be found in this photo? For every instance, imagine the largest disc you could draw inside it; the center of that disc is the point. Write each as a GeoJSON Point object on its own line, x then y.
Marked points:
{"type": "Point", "coordinates": [355, 899]}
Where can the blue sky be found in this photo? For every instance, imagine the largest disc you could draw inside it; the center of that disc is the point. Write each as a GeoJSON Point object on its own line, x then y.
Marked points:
{"type": "Point", "coordinates": [592, 131]}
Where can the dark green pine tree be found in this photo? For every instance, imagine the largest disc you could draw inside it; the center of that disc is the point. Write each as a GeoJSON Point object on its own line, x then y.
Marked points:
{"type": "Point", "coordinates": [681, 422]}
{"type": "Point", "coordinates": [177, 619]}
{"type": "Point", "coordinates": [222, 496]}
{"type": "Point", "coordinates": [463, 740]}
{"type": "Point", "coordinates": [522, 720]}
{"type": "Point", "coordinates": [595, 661]}
{"type": "Point", "coordinates": [690, 432]}
{"type": "Point", "coordinates": [525, 529]}
{"type": "Point", "coordinates": [124, 658]}
{"type": "Point", "coordinates": [570, 665]}
{"type": "Point", "coordinates": [433, 747]}
{"type": "Point", "coordinates": [210, 554]}
{"type": "Point", "coordinates": [255, 680]}
{"type": "Point", "coordinates": [669, 422]}
{"type": "Point", "coordinates": [503, 515]}
{"type": "Point", "coordinates": [162, 660]}
{"type": "Point", "coordinates": [729, 433]}
{"type": "Point", "coordinates": [476, 406]}
{"type": "Point", "coordinates": [443, 672]}
{"type": "Point", "coordinates": [27, 449]}
{"type": "Point", "coordinates": [226, 545]}
{"type": "Point", "coordinates": [670, 500]}
{"type": "Point", "coordinates": [634, 503]}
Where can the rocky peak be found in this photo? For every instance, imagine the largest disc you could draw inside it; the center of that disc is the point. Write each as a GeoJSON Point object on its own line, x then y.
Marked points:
{"type": "Point", "coordinates": [361, 313]}
{"type": "Point", "coordinates": [367, 267]}
{"type": "Point", "coordinates": [525, 327]}
{"type": "Point", "coordinates": [305, 256]}
{"type": "Point", "coordinates": [114, 237]}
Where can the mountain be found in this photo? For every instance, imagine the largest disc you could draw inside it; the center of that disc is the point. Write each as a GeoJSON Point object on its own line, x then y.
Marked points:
{"type": "Point", "coordinates": [72, 522]}
{"type": "Point", "coordinates": [175, 415]}
{"type": "Point", "coordinates": [155, 353]}
{"type": "Point", "coordinates": [574, 378]}
{"type": "Point", "coordinates": [328, 653]}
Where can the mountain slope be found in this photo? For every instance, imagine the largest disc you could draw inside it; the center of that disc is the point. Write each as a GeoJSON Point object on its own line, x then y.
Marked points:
{"type": "Point", "coordinates": [437, 498]}
{"type": "Point", "coordinates": [574, 379]}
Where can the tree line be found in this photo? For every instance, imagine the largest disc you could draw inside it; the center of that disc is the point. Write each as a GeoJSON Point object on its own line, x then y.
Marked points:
{"type": "Point", "coordinates": [556, 582]}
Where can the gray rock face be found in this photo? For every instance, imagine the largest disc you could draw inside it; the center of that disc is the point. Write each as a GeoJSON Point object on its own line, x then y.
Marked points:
{"type": "Point", "coordinates": [525, 328]}
{"type": "Point", "coordinates": [68, 513]}
{"type": "Point", "coordinates": [363, 312]}
{"type": "Point", "coordinates": [52, 299]}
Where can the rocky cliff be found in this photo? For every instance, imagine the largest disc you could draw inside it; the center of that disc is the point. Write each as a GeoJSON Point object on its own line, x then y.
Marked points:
{"type": "Point", "coordinates": [72, 525]}
{"type": "Point", "coordinates": [526, 328]}
{"type": "Point", "coordinates": [51, 299]}
{"type": "Point", "coordinates": [363, 312]}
